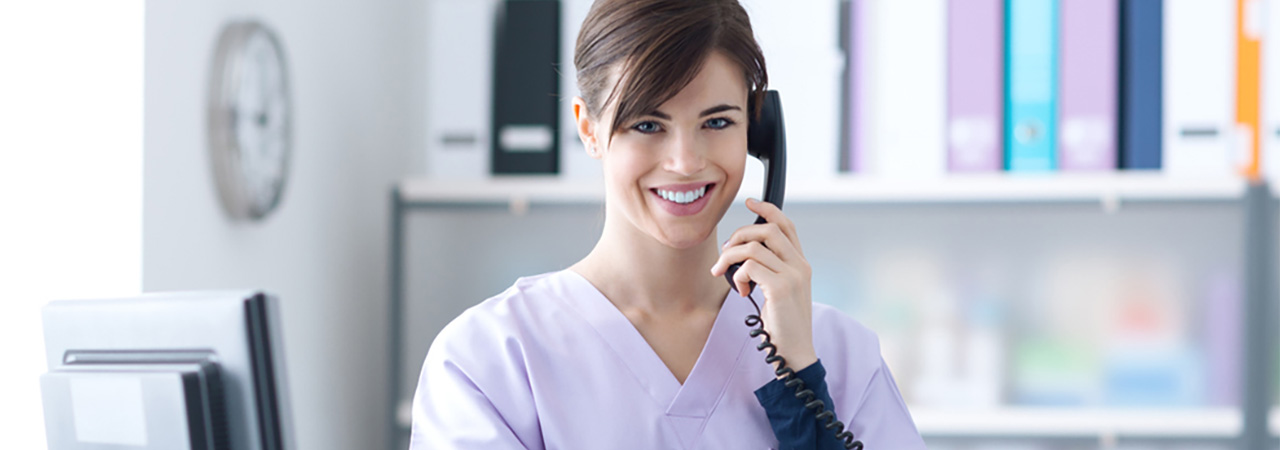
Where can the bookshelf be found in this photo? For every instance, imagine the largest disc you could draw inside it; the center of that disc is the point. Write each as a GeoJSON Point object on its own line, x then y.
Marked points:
{"type": "Point", "coordinates": [1101, 424]}
{"type": "Point", "coordinates": [1254, 421]}
{"type": "Point", "coordinates": [1105, 189]}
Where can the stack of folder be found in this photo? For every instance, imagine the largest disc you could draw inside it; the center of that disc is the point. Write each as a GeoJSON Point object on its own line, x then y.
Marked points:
{"type": "Point", "coordinates": [1061, 86]}
{"type": "Point", "coordinates": [922, 88]}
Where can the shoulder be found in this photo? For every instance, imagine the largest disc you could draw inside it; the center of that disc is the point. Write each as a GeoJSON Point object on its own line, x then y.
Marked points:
{"type": "Point", "coordinates": [476, 381]}
{"type": "Point", "coordinates": [502, 321]}
{"type": "Point", "coordinates": [849, 350]}
{"type": "Point", "coordinates": [838, 333]}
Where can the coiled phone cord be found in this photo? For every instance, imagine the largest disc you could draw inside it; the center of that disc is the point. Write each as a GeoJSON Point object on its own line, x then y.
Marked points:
{"type": "Point", "coordinates": [790, 380]}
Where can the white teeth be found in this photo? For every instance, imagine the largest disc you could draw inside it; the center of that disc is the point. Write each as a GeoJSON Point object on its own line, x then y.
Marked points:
{"type": "Point", "coordinates": [683, 197]}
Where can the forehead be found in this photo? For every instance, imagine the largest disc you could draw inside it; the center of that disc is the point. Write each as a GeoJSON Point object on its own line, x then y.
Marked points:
{"type": "Point", "coordinates": [719, 81]}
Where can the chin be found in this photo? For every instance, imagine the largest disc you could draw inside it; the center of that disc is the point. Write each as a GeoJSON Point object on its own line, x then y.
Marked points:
{"type": "Point", "coordinates": [685, 239]}
{"type": "Point", "coordinates": [687, 235]}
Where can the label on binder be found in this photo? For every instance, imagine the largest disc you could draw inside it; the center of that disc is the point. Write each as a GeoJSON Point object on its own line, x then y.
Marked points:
{"type": "Point", "coordinates": [525, 138]}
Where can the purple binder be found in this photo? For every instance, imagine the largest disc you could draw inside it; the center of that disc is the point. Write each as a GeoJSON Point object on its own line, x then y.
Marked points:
{"type": "Point", "coordinates": [1223, 308]}
{"type": "Point", "coordinates": [1087, 99]}
{"type": "Point", "coordinates": [858, 88]}
{"type": "Point", "coordinates": [975, 85]}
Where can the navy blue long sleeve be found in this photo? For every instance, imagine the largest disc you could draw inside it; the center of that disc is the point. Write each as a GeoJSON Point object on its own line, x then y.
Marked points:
{"type": "Point", "coordinates": [794, 425]}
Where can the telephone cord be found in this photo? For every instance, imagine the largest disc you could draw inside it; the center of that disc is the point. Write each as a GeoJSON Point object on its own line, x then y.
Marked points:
{"type": "Point", "coordinates": [792, 381]}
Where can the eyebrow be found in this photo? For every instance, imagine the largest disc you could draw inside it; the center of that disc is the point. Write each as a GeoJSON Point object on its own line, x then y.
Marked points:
{"type": "Point", "coordinates": [705, 112]}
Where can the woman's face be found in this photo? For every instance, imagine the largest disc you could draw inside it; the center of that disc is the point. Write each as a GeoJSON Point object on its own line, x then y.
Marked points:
{"type": "Point", "coordinates": [673, 173]}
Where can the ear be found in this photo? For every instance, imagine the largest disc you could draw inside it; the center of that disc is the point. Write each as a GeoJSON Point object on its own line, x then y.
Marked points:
{"type": "Point", "coordinates": [586, 128]}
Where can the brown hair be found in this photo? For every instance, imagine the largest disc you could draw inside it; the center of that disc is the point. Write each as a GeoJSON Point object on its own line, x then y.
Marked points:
{"type": "Point", "coordinates": [661, 45]}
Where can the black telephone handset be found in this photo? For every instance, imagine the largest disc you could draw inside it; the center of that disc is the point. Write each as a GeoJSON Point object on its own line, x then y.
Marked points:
{"type": "Point", "coordinates": [767, 141]}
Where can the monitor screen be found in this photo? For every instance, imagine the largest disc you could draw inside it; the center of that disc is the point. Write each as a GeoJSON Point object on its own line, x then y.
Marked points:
{"type": "Point", "coordinates": [166, 371]}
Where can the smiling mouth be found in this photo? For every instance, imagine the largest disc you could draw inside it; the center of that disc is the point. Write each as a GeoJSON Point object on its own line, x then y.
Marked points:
{"type": "Point", "coordinates": [683, 197]}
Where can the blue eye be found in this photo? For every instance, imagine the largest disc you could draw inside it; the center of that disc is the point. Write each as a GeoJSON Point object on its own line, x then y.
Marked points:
{"type": "Point", "coordinates": [647, 127]}
{"type": "Point", "coordinates": [719, 123]}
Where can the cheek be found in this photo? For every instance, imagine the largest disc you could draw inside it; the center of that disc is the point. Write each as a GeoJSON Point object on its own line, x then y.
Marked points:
{"type": "Point", "coordinates": [731, 153]}
{"type": "Point", "coordinates": [624, 162]}
{"type": "Point", "coordinates": [630, 153]}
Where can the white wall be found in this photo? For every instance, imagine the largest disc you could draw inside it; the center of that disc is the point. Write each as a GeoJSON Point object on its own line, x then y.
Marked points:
{"type": "Point", "coordinates": [354, 67]}
{"type": "Point", "coordinates": [70, 178]}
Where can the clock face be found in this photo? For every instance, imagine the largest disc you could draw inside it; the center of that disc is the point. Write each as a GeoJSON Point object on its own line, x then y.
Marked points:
{"type": "Point", "coordinates": [249, 120]}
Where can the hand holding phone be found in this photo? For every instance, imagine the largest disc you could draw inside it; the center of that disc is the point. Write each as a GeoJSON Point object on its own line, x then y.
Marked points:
{"type": "Point", "coordinates": [772, 257]}
{"type": "Point", "coordinates": [768, 251]}
{"type": "Point", "coordinates": [778, 262]}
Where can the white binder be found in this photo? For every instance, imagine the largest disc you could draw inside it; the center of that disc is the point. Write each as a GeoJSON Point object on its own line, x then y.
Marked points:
{"type": "Point", "coordinates": [459, 85]}
{"type": "Point", "coordinates": [907, 70]}
{"type": "Point", "coordinates": [1199, 88]}
{"type": "Point", "coordinates": [1270, 135]}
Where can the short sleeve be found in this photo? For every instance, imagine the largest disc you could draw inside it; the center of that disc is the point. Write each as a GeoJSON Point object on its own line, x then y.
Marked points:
{"type": "Point", "coordinates": [881, 419]}
{"type": "Point", "coordinates": [465, 401]}
{"type": "Point", "coordinates": [866, 397]}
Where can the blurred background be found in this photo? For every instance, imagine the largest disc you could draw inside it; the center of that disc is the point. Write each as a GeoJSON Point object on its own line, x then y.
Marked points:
{"type": "Point", "coordinates": [1040, 206]}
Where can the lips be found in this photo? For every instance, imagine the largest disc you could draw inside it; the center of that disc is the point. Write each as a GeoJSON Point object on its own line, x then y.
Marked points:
{"type": "Point", "coordinates": [674, 198]}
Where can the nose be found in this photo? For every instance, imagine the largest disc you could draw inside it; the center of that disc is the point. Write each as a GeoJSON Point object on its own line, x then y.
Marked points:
{"type": "Point", "coordinates": [685, 154]}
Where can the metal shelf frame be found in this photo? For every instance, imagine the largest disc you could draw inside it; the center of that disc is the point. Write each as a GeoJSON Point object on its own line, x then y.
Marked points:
{"type": "Point", "coordinates": [1259, 333]}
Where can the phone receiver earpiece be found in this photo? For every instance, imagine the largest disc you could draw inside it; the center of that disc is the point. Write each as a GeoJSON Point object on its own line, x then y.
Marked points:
{"type": "Point", "coordinates": [766, 141]}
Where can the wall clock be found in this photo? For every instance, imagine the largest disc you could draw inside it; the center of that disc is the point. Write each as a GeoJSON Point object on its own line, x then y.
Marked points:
{"type": "Point", "coordinates": [249, 120]}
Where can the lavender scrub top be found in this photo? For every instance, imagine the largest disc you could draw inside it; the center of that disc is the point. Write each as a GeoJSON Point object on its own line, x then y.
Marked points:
{"type": "Point", "coordinates": [550, 363]}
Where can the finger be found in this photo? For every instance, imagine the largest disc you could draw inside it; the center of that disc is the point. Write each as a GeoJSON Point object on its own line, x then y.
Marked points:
{"type": "Point", "coordinates": [751, 271]}
{"type": "Point", "coordinates": [769, 234]}
{"type": "Point", "coordinates": [745, 252]}
{"type": "Point", "coordinates": [772, 214]}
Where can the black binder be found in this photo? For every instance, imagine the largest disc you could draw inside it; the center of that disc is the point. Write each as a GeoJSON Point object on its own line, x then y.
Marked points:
{"type": "Point", "coordinates": [526, 87]}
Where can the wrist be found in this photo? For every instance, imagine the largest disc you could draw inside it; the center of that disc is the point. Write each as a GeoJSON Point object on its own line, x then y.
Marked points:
{"type": "Point", "coordinates": [798, 362]}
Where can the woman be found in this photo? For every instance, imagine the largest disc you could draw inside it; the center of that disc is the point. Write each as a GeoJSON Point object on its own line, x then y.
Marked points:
{"type": "Point", "coordinates": [641, 344]}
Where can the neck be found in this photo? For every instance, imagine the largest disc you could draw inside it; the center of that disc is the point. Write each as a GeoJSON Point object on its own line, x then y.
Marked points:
{"type": "Point", "coordinates": [638, 273]}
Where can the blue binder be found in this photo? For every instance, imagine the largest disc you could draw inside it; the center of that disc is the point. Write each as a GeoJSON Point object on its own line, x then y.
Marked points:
{"type": "Point", "coordinates": [1141, 87]}
{"type": "Point", "coordinates": [1032, 85]}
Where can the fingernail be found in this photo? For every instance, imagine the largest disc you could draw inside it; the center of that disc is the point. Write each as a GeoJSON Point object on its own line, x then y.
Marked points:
{"type": "Point", "coordinates": [751, 201]}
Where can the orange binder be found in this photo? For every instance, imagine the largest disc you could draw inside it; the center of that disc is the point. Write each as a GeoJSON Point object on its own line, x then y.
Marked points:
{"type": "Point", "coordinates": [1248, 80]}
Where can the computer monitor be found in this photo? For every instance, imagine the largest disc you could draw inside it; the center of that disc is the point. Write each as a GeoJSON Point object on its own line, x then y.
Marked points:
{"type": "Point", "coordinates": [200, 370]}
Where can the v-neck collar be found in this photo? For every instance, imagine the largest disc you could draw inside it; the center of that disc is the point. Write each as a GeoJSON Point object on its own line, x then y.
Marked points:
{"type": "Point", "coordinates": [704, 386]}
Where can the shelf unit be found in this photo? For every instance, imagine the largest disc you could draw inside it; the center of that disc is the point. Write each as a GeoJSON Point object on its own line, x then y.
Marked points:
{"type": "Point", "coordinates": [1253, 424]}
{"type": "Point", "coordinates": [1105, 426]}
{"type": "Point", "coordinates": [1101, 425]}
{"type": "Point", "coordinates": [1103, 188]}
